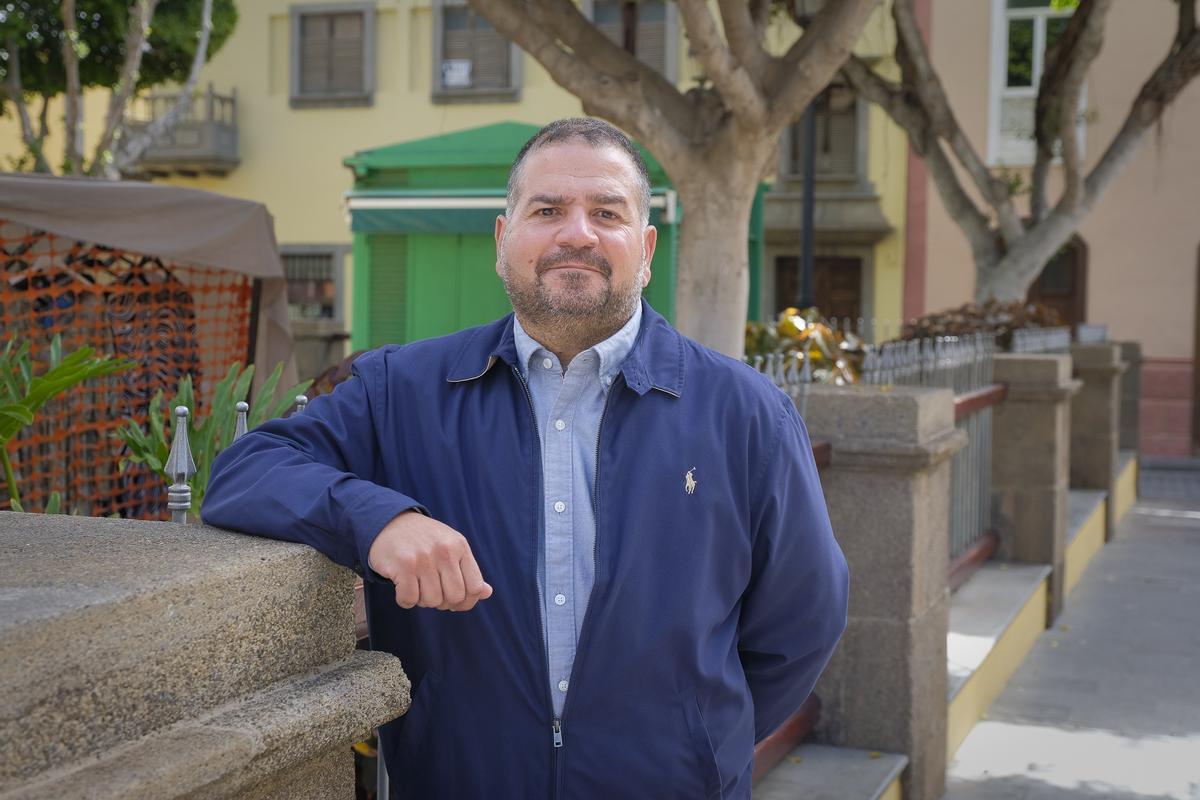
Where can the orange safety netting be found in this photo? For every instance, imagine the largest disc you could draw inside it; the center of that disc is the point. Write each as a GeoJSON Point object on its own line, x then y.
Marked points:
{"type": "Point", "coordinates": [172, 319]}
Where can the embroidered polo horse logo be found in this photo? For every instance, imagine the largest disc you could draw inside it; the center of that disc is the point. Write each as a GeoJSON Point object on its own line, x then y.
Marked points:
{"type": "Point", "coordinates": [689, 481]}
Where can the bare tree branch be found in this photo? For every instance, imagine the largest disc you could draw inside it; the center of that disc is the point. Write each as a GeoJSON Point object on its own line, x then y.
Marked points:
{"type": "Point", "coordinates": [1187, 23]}
{"type": "Point", "coordinates": [73, 147]}
{"type": "Point", "coordinates": [908, 113]}
{"type": "Point", "coordinates": [920, 78]}
{"type": "Point", "coordinates": [1163, 86]}
{"type": "Point", "coordinates": [610, 82]}
{"type": "Point", "coordinates": [1059, 90]}
{"type": "Point", "coordinates": [744, 36]}
{"type": "Point", "coordinates": [730, 78]}
{"type": "Point", "coordinates": [1182, 64]}
{"type": "Point", "coordinates": [141, 12]}
{"type": "Point", "coordinates": [15, 91]}
{"type": "Point", "coordinates": [812, 61]}
{"type": "Point", "coordinates": [132, 150]}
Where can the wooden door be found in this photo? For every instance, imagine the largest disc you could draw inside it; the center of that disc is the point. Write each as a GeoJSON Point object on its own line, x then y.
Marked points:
{"type": "Point", "coordinates": [837, 285]}
{"type": "Point", "coordinates": [1063, 284]}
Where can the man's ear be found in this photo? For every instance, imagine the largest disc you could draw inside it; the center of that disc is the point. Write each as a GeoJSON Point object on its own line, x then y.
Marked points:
{"type": "Point", "coordinates": [649, 242]}
{"type": "Point", "coordinates": [501, 222]}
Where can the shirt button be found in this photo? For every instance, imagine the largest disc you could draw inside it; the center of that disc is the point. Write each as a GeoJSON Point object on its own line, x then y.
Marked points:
{"type": "Point", "coordinates": [562, 686]}
{"type": "Point", "coordinates": [608, 380]}
{"type": "Point", "coordinates": [560, 599]}
{"type": "Point", "coordinates": [559, 424]}
{"type": "Point", "coordinates": [560, 506]}
{"type": "Point", "coordinates": [547, 363]}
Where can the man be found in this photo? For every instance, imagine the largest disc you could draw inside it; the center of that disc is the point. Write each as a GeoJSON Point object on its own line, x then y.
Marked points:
{"type": "Point", "coordinates": [632, 524]}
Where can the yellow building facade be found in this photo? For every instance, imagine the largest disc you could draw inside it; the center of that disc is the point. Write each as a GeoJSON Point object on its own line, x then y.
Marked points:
{"type": "Point", "coordinates": [290, 83]}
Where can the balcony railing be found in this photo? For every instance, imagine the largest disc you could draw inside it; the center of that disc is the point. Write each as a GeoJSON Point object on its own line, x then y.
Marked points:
{"type": "Point", "coordinates": [203, 141]}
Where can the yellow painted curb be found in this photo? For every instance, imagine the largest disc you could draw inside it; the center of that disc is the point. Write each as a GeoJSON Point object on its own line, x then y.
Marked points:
{"type": "Point", "coordinates": [1125, 490]}
{"type": "Point", "coordinates": [986, 683]}
{"type": "Point", "coordinates": [1086, 544]}
{"type": "Point", "coordinates": [892, 792]}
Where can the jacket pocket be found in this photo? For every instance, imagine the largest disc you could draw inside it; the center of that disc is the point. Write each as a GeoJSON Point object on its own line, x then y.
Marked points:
{"type": "Point", "coordinates": [702, 745]}
{"type": "Point", "coordinates": [414, 737]}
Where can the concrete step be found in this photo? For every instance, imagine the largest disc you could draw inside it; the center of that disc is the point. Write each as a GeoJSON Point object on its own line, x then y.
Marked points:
{"type": "Point", "coordinates": [821, 772]}
{"type": "Point", "coordinates": [113, 629]}
{"type": "Point", "coordinates": [245, 747]}
{"type": "Point", "coordinates": [995, 618]}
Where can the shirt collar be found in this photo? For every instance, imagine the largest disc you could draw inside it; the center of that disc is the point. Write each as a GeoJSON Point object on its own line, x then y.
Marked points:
{"type": "Point", "coordinates": [611, 352]}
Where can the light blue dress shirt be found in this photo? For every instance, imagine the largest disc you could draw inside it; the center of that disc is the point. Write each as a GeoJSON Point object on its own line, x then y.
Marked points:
{"type": "Point", "coordinates": [568, 406]}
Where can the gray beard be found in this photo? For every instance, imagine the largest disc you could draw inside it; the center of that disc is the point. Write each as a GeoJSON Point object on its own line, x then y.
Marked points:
{"type": "Point", "coordinates": [579, 322]}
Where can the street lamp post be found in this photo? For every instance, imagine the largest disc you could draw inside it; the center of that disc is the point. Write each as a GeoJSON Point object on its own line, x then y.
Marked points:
{"type": "Point", "coordinates": [805, 10]}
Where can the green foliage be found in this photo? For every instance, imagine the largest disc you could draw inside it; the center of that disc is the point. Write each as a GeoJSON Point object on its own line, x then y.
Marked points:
{"type": "Point", "coordinates": [101, 25]}
{"type": "Point", "coordinates": [209, 435]}
{"type": "Point", "coordinates": [22, 394]}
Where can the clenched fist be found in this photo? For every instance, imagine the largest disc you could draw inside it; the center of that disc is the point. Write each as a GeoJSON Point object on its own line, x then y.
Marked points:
{"type": "Point", "coordinates": [430, 563]}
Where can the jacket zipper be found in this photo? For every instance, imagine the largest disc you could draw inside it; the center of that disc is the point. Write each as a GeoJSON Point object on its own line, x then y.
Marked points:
{"type": "Point", "coordinates": [556, 722]}
{"type": "Point", "coordinates": [587, 615]}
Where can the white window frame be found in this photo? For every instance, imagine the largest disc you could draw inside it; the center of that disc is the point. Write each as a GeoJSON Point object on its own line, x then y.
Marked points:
{"type": "Point", "coordinates": [337, 256]}
{"type": "Point", "coordinates": [1006, 152]}
{"type": "Point", "coordinates": [332, 99]}
{"type": "Point", "coordinates": [509, 94]}
{"type": "Point", "coordinates": [671, 57]}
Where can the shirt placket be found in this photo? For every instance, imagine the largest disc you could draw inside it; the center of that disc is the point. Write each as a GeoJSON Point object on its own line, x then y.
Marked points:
{"type": "Point", "coordinates": [560, 533]}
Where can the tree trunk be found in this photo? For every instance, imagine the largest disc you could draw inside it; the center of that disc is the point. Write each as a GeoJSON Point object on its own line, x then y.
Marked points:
{"type": "Point", "coordinates": [714, 279]}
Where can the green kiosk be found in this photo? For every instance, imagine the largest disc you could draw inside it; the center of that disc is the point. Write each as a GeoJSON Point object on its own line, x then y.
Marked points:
{"type": "Point", "coordinates": [423, 215]}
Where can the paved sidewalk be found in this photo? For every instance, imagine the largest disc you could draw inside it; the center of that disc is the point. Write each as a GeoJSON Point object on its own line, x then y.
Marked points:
{"type": "Point", "coordinates": [1107, 705]}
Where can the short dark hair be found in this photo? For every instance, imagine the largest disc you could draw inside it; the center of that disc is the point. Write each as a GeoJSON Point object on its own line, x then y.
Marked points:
{"type": "Point", "coordinates": [595, 132]}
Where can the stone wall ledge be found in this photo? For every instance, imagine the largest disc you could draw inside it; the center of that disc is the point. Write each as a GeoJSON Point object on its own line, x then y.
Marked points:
{"type": "Point", "coordinates": [889, 455]}
{"type": "Point", "coordinates": [1041, 393]}
{"type": "Point", "coordinates": [239, 748]}
{"type": "Point", "coordinates": [111, 629]}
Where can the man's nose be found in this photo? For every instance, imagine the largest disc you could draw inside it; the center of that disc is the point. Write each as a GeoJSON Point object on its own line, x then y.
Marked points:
{"type": "Point", "coordinates": [576, 229]}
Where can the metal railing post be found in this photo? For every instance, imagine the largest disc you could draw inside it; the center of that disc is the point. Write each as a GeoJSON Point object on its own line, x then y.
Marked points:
{"type": "Point", "coordinates": [180, 468]}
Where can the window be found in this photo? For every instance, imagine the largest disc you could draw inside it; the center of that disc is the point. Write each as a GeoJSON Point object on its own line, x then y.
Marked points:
{"type": "Point", "coordinates": [837, 137]}
{"type": "Point", "coordinates": [332, 55]}
{"type": "Point", "coordinates": [314, 281]}
{"type": "Point", "coordinates": [472, 61]}
{"type": "Point", "coordinates": [655, 35]}
{"type": "Point", "coordinates": [1022, 32]}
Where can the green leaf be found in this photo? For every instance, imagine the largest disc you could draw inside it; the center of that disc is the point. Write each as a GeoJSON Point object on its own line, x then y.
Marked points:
{"type": "Point", "coordinates": [54, 503]}
{"type": "Point", "coordinates": [15, 504]}
{"type": "Point", "coordinates": [56, 350]}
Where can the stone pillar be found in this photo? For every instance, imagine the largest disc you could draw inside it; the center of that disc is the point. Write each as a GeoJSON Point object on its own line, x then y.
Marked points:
{"type": "Point", "coordinates": [1096, 420]}
{"type": "Point", "coordinates": [1031, 454]}
{"type": "Point", "coordinates": [888, 492]}
{"type": "Point", "coordinates": [1131, 397]}
{"type": "Point", "coordinates": [155, 660]}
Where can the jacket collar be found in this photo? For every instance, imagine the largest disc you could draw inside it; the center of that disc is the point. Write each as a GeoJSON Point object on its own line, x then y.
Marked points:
{"type": "Point", "coordinates": [655, 362]}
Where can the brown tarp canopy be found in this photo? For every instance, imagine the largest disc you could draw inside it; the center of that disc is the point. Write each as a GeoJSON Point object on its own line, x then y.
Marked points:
{"type": "Point", "coordinates": [187, 226]}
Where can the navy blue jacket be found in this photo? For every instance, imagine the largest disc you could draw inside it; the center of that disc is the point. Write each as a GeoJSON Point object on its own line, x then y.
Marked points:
{"type": "Point", "coordinates": [712, 613]}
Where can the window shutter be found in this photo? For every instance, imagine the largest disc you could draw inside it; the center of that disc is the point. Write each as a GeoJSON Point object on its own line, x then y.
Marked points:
{"type": "Point", "coordinates": [490, 70]}
{"type": "Point", "coordinates": [346, 53]}
{"type": "Point", "coordinates": [651, 35]}
{"type": "Point", "coordinates": [468, 36]}
{"type": "Point", "coordinates": [606, 14]}
{"type": "Point", "coordinates": [651, 42]}
{"type": "Point", "coordinates": [314, 54]}
{"type": "Point", "coordinates": [331, 53]}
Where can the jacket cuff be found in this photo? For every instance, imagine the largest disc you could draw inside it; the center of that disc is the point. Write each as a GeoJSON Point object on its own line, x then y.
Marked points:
{"type": "Point", "coordinates": [371, 514]}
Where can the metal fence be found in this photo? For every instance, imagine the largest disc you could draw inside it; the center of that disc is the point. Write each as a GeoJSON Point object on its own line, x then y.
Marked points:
{"type": "Point", "coordinates": [1041, 340]}
{"type": "Point", "coordinates": [962, 364]}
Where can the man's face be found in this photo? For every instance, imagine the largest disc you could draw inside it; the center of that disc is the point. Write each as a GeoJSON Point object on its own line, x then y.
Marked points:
{"type": "Point", "coordinates": [574, 251]}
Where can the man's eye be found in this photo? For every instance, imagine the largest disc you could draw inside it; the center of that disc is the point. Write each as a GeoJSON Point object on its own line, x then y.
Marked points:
{"type": "Point", "coordinates": [607, 214]}
{"type": "Point", "coordinates": [546, 212]}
